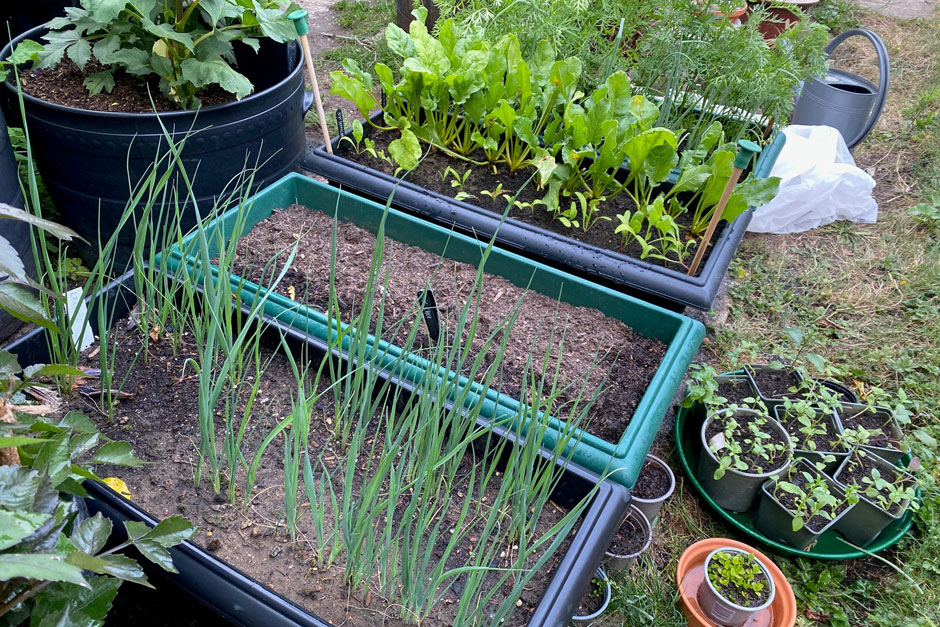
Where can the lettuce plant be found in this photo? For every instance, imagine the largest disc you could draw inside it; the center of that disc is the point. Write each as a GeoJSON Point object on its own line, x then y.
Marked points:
{"type": "Point", "coordinates": [188, 44]}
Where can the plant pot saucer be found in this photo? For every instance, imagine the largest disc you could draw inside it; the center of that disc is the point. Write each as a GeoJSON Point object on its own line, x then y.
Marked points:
{"type": "Point", "coordinates": [691, 572]}
{"type": "Point", "coordinates": [829, 546]}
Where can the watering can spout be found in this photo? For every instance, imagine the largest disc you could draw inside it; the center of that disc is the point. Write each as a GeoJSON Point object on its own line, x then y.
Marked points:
{"type": "Point", "coordinates": [843, 100]}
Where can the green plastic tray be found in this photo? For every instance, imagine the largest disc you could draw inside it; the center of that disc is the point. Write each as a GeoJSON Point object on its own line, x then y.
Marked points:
{"type": "Point", "coordinates": [682, 335]}
{"type": "Point", "coordinates": [829, 546]}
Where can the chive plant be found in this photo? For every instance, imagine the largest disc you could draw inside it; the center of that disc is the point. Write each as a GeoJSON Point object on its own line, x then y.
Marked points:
{"type": "Point", "coordinates": [411, 456]}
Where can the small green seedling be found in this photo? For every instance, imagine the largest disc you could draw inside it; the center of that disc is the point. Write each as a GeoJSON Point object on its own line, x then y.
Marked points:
{"type": "Point", "coordinates": [740, 571]}
{"type": "Point", "coordinates": [738, 440]}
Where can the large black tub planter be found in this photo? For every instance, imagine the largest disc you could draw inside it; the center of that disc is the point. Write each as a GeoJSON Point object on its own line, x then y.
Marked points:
{"type": "Point", "coordinates": [666, 286]}
{"type": "Point", "coordinates": [91, 159]}
{"type": "Point", "coordinates": [622, 458]}
{"type": "Point", "coordinates": [247, 602]}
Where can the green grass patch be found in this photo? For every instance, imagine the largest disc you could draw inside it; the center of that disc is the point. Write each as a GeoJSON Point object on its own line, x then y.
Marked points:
{"type": "Point", "coordinates": [363, 18]}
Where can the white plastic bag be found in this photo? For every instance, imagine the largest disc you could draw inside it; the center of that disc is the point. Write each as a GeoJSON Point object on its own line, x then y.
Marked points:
{"type": "Point", "coordinates": [819, 184]}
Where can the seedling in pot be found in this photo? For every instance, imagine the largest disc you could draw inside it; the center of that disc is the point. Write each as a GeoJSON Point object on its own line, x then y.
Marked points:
{"type": "Point", "coordinates": [745, 444]}
{"type": "Point", "coordinates": [885, 491]}
{"type": "Point", "coordinates": [812, 500]}
{"type": "Point", "coordinates": [736, 586]}
{"type": "Point", "coordinates": [596, 600]}
{"type": "Point", "coordinates": [741, 450]}
{"type": "Point", "coordinates": [717, 391]}
{"type": "Point", "coordinates": [883, 431]}
{"type": "Point", "coordinates": [813, 429]}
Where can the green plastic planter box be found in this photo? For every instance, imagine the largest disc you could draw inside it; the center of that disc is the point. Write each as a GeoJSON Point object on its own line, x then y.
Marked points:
{"type": "Point", "coordinates": [682, 335]}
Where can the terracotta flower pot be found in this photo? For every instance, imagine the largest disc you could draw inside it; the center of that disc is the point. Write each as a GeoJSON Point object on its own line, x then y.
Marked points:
{"type": "Point", "coordinates": [784, 17]}
{"type": "Point", "coordinates": [690, 573]}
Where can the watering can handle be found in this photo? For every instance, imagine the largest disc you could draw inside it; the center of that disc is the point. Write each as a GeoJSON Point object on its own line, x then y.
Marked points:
{"type": "Point", "coordinates": [884, 76]}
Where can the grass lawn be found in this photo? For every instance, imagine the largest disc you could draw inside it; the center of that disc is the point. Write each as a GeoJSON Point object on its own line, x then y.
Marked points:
{"type": "Point", "coordinates": [868, 296]}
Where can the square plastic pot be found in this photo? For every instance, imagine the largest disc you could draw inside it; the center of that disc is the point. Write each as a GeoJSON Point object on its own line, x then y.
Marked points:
{"type": "Point", "coordinates": [865, 521]}
{"type": "Point", "coordinates": [666, 286]}
{"type": "Point", "coordinates": [893, 455]}
{"type": "Point", "coordinates": [776, 522]}
{"type": "Point", "coordinates": [818, 456]}
{"type": "Point", "coordinates": [681, 335]}
{"type": "Point", "coordinates": [769, 401]}
{"type": "Point", "coordinates": [246, 601]}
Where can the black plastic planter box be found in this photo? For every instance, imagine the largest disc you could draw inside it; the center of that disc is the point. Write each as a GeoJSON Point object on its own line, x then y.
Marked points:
{"type": "Point", "coordinates": [664, 286]}
{"type": "Point", "coordinates": [246, 602]}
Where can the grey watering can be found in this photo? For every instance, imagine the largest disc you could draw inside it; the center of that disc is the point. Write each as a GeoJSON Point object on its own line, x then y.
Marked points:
{"type": "Point", "coordinates": [844, 100]}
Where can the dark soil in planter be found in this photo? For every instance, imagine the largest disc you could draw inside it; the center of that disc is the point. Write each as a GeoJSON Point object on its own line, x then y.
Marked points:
{"type": "Point", "coordinates": [430, 174]}
{"type": "Point", "coordinates": [824, 442]}
{"type": "Point", "coordinates": [736, 391]}
{"type": "Point", "coordinates": [775, 383]}
{"type": "Point", "coordinates": [860, 468]}
{"type": "Point", "coordinates": [593, 600]}
{"type": "Point", "coordinates": [630, 538]}
{"type": "Point", "coordinates": [744, 598]}
{"type": "Point", "coordinates": [878, 422]}
{"type": "Point", "coordinates": [788, 500]}
{"type": "Point", "coordinates": [160, 420]}
{"type": "Point", "coordinates": [63, 85]}
{"type": "Point", "coordinates": [591, 343]}
{"type": "Point", "coordinates": [753, 461]}
{"type": "Point", "coordinates": [652, 482]}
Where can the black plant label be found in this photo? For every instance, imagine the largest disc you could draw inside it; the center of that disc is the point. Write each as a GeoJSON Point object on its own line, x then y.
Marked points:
{"type": "Point", "coordinates": [429, 312]}
{"type": "Point", "coordinates": [340, 125]}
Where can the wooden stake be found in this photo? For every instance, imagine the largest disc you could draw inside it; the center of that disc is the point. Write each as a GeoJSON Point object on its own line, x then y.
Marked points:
{"type": "Point", "coordinates": [299, 18]}
{"type": "Point", "coordinates": [747, 149]}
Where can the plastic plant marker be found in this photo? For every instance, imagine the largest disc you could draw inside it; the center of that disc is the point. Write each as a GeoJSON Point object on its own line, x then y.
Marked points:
{"type": "Point", "coordinates": [829, 546]}
{"type": "Point", "coordinates": [747, 149]}
{"type": "Point", "coordinates": [299, 17]}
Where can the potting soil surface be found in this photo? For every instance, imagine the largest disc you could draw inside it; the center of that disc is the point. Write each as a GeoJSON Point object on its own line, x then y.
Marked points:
{"type": "Point", "coordinates": [630, 537]}
{"type": "Point", "coordinates": [878, 423]}
{"type": "Point", "coordinates": [775, 383]}
{"type": "Point", "coordinates": [482, 185]}
{"type": "Point", "coordinates": [756, 463]}
{"type": "Point", "coordinates": [159, 418]}
{"type": "Point", "coordinates": [64, 85]}
{"type": "Point", "coordinates": [652, 482]}
{"type": "Point", "coordinates": [736, 391]}
{"type": "Point", "coordinates": [585, 345]}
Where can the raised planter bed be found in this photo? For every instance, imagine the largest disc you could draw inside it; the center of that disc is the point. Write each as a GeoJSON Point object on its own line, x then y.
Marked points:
{"type": "Point", "coordinates": [666, 286]}
{"type": "Point", "coordinates": [681, 336]}
{"type": "Point", "coordinates": [248, 602]}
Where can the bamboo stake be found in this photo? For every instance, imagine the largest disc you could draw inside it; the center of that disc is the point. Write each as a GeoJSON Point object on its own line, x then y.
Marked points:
{"type": "Point", "coordinates": [299, 18]}
{"type": "Point", "coordinates": [747, 149]}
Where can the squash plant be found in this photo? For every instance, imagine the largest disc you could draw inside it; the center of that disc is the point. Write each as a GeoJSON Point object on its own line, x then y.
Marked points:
{"type": "Point", "coordinates": [186, 43]}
